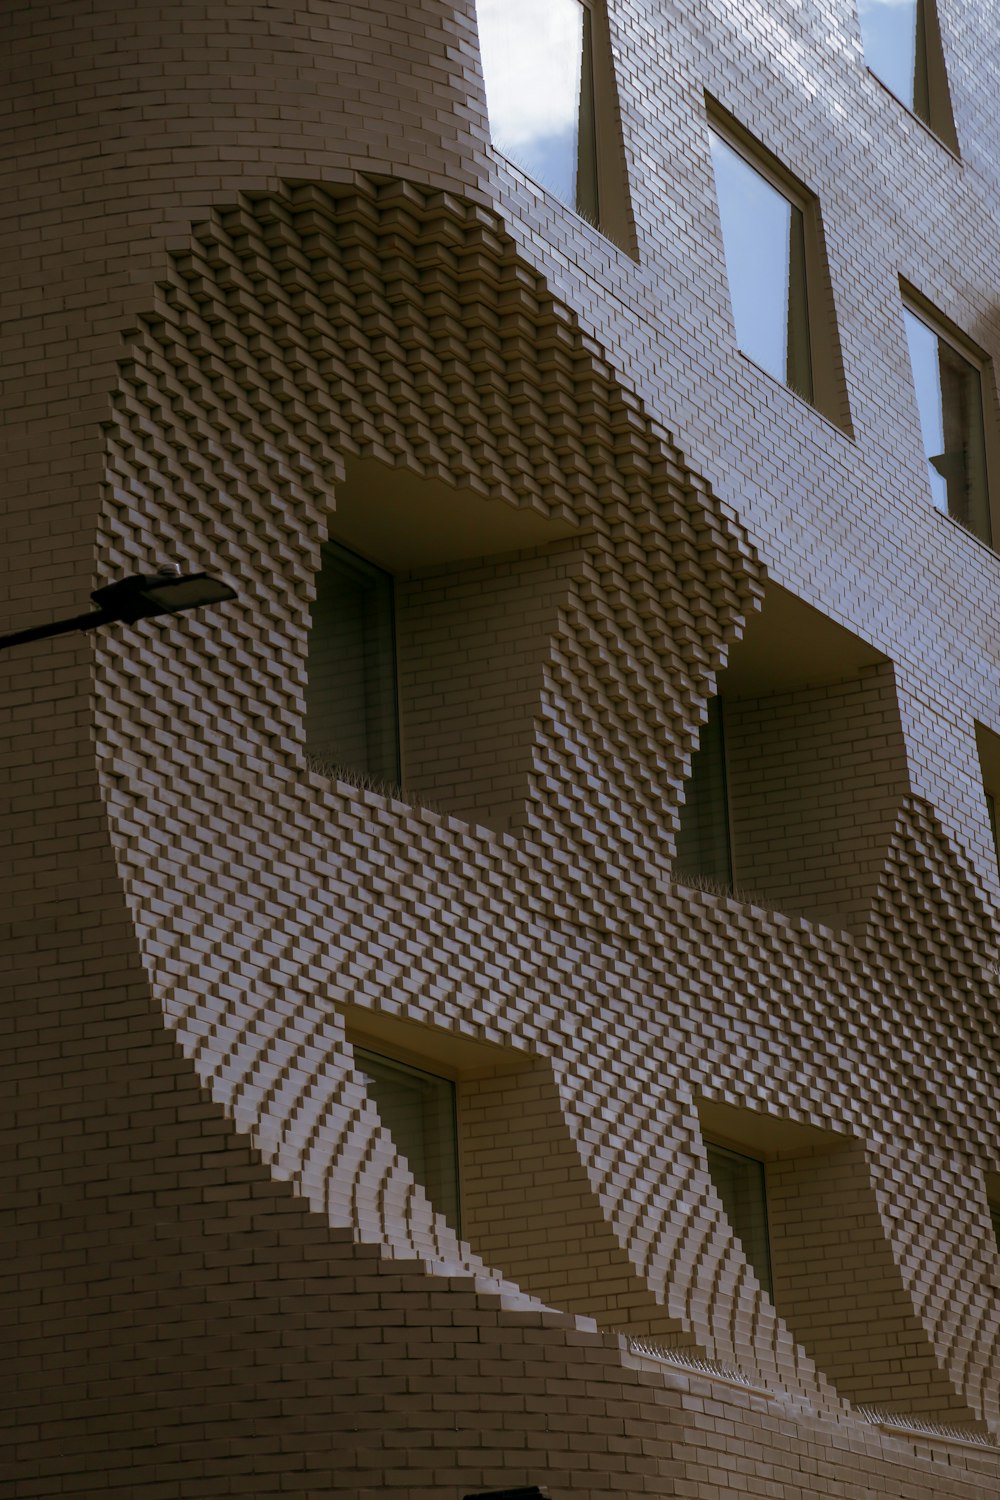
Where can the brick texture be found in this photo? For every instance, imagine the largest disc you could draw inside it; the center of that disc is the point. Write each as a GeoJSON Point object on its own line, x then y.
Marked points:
{"type": "Point", "coordinates": [252, 246]}
{"type": "Point", "coordinates": [815, 781]}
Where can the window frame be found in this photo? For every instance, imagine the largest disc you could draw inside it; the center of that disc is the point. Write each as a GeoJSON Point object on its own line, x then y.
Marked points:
{"type": "Point", "coordinates": [683, 872]}
{"type": "Point", "coordinates": [738, 1149]}
{"type": "Point", "coordinates": [988, 756]}
{"type": "Point", "coordinates": [352, 557]}
{"type": "Point", "coordinates": [949, 333]}
{"type": "Point", "coordinates": [829, 388]}
{"type": "Point", "coordinates": [411, 1062]}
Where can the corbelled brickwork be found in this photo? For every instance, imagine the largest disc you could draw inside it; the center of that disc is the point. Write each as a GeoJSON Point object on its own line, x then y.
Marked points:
{"type": "Point", "coordinates": [298, 270]}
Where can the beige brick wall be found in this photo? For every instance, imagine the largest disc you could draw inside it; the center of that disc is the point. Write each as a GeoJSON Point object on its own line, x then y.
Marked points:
{"type": "Point", "coordinates": [837, 1285]}
{"type": "Point", "coordinates": [815, 781]}
{"type": "Point", "coordinates": [527, 1206]}
{"type": "Point", "coordinates": [473, 639]}
{"type": "Point", "coordinates": [251, 244]}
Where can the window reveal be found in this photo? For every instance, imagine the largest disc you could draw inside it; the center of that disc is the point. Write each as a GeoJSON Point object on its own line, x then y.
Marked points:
{"type": "Point", "coordinates": [704, 837]}
{"type": "Point", "coordinates": [902, 43]}
{"type": "Point", "coordinates": [739, 1182]}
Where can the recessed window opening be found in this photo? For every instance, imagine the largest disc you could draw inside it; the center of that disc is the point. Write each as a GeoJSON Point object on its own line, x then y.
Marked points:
{"type": "Point", "coordinates": [950, 401]}
{"type": "Point", "coordinates": [817, 1242]}
{"type": "Point", "coordinates": [703, 840]}
{"type": "Point", "coordinates": [780, 808]}
{"type": "Point", "coordinates": [763, 232]}
{"type": "Point", "coordinates": [988, 746]}
{"type": "Point", "coordinates": [418, 1110]}
{"type": "Point", "coordinates": [889, 31]}
{"type": "Point", "coordinates": [779, 284]}
{"type": "Point", "coordinates": [352, 717]}
{"type": "Point", "coordinates": [902, 43]}
{"type": "Point", "coordinates": [740, 1183]}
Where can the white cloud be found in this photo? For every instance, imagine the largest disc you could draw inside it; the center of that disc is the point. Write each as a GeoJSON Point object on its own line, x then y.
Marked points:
{"type": "Point", "coordinates": [531, 53]}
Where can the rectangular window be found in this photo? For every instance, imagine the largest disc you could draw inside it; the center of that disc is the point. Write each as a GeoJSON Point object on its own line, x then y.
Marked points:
{"type": "Point", "coordinates": [988, 746]}
{"type": "Point", "coordinates": [703, 840]}
{"type": "Point", "coordinates": [351, 718]}
{"type": "Point", "coordinates": [764, 237]}
{"type": "Point", "coordinates": [739, 1182]}
{"type": "Point", "coordinates": [775, 266]}
{"type": "Point", "coordinates": [550, 96]}
{"type": "Point", "coordinates": [949, 392]}
{"type": "Point", "coordinates": [902, 42]}
{"type": "Point", "coordinates": [991, 808]}
{"type": "Point", "coordinates": [418, 1111]}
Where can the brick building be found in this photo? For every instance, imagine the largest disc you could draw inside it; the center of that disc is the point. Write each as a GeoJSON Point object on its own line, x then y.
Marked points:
{"type": "Point", "coordinates": [509, 1000]}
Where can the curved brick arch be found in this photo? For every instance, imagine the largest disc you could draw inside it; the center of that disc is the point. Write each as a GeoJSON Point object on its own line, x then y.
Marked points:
{"type": "Point", "coordinates": [400, 326]}
{"type": "Point", "coordinates": [387, 323]}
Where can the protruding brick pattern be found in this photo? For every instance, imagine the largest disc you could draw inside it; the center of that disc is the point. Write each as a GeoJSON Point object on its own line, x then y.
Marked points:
{"type": "Point", "coordinates": [857, 1318]}
{"type": "Point", "coordinates": [373, 340]}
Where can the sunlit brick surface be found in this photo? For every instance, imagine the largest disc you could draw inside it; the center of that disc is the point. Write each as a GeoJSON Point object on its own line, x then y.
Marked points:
{"type": "Point", "coordinates": [263, 252]}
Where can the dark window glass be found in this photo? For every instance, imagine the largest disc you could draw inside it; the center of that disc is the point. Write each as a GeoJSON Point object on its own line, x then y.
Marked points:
{"type": "Point", "coordinates": [950, 399]}
{"type": "Point", "coordinates": [995, 1221]}
{"type": "Point", "coordinates": [351, 710]}
{"type": "Point", "coordinates": [538, 66]}
{"type": "Point", "coordinates": [763, 234]}
{"type": "Point", "coordinates": [991, 807]}
{"type": "Point", "coordinates": [739, 1182]}
{"type": "Point", "coordinates": [418, 1110]}
{"type": "Point", "coordinates": [703, 846]}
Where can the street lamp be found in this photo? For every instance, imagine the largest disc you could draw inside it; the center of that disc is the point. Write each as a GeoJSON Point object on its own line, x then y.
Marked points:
{"type": "Point", "coordinates": [166, 592]}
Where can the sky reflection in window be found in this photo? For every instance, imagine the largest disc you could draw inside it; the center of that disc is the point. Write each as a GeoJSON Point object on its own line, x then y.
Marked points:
{"type": "Point", "coordinates": [889, 34]}
{"type": "Point", "coordinates": [533, 65]}
{"type": "Point", "coordinates": [950, 400]}
{"type": "Point", "coordinates": [765, 263]}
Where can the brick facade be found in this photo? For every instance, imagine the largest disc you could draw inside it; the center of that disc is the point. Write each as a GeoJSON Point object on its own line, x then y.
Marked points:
{"type": "Point", "coordinates": [262, 258]}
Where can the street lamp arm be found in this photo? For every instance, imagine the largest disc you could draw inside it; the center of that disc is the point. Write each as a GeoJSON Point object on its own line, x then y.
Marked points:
{"type": "Point", "coordinates": [56, 627]}
{"type": "Point", "coordinates": [142, 597]}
